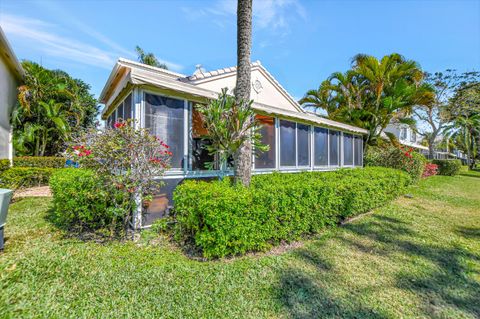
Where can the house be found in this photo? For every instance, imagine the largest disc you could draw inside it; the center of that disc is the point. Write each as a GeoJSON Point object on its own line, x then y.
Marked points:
{"type": "Point", "coordinates": [11, 74]}
{"type": "Point", "coordinates": [406, 136]}
{"type": "Point", "coordinates": [165, 102]}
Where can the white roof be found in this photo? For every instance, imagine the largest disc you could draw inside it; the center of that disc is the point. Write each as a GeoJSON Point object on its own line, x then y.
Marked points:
{"type": "Point", "coordinates": [7, 53]}
{"type": "Point", "coordinates": [126, 71]}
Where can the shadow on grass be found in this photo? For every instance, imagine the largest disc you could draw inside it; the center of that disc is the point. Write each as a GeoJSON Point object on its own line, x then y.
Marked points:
{"type": "Point", "coordinates": [442, 282]}
{"type": "Point", "coordinates": [469, 232]}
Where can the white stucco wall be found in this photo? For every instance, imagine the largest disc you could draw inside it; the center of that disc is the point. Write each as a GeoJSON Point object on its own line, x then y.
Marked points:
{"type": "Point", "coordinates": [8, 95]}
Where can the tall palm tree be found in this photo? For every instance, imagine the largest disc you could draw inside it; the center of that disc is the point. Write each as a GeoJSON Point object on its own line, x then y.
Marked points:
{"type": "Point", "coordinates": [243, 157]}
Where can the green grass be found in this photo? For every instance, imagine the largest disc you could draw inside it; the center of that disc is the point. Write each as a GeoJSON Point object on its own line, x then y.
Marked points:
{"type": "Point", "coordinates": [418, 257]}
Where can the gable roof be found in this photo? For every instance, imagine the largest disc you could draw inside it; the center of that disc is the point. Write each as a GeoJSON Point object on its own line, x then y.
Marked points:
{"type": "Point", "coordinates": [8, 55]}
{"type": "Point", "coordinates": [127, 72]}
{"type": "Point", "coordinates": [202, 77]}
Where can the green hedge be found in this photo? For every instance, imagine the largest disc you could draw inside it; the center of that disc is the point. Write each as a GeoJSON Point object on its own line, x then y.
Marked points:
{"type": "Point", "coordinates": [22, 177]}
{"type": "Point", "coordinates": [4, 165]}
{"type": "Point", "coordinates": [227, 220]}
{"type": "Point", "coordinates": [39, 161]}
{"type": "Point", "coordinates": [408, 161]}
{"type": "Point", "coordinates": [82, 202]}
{"type": "Point", "coordinates": [449, 167]}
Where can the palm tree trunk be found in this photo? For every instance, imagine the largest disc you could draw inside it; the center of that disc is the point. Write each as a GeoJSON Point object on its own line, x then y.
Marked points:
{"type": "Point", "coordinates": [243, 157]}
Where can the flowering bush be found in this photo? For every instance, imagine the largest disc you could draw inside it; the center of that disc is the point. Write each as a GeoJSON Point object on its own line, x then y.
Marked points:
{"type": "Point", "coordinates": [401, 157]}
{"type": "Point", "coordinates": [430, 170]}
{"type": "Point", "coordinates": [126, 159]}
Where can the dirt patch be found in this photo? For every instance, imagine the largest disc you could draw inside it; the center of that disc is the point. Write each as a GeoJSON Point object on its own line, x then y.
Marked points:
{"type": "Point", "coordinates": [41, 191]}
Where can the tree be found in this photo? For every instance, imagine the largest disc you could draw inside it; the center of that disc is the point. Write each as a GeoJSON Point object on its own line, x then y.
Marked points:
{"type": "Point", "coordinates": [51, 105]}
{"type": "Point", "coordinates": [149, 58]}
{"type": "Point", "coordinates": [464, 110]}
{"type": "Point", "coordinates": [372, 93]}
{"type": "Point", "coordinates": [243, 156]}
{"type": "Point", "coordinates": [436, 115]}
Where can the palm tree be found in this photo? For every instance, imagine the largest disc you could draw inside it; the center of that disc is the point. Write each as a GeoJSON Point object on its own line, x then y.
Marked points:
{"type": "Point", "coordinates": [243, 156]}
{"type": "Point", "coordinates": [372, 93]}
{"type": "Point", "coordinates": [149, 58]}
{"type": "Point", "coordinates": [465, 130]}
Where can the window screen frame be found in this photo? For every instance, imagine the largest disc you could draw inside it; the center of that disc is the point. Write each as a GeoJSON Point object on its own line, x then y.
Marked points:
{"type": "Point", "coordinates": [343, 149]}
{"type": "Point", "coordinates": [315, 147]}
{"type": "Point", "coordinates": [275, 145]}
{"type": "Point", "coordinates": [186, 127]}
{"type": "Point", "coordinates": [280, 146]}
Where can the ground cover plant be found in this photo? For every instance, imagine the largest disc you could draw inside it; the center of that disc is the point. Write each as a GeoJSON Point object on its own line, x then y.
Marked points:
{"type": "Point", "coordinates": [414, 258]}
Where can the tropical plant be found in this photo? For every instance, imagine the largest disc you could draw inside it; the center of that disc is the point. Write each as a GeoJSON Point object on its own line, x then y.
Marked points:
{"type": "Point", "coordinates": [149, 58]}
{"type": "Point", "coordinates": [372, 93]}
{"type": "Point", "coordinates": [51, 104]}
{"type": "Point", "coordinates": [464, 129]}
{"type": "Point", "coordinates": [228, 126]}
{"type": "Point", "coordinates": [128, 159]}
{"type": "Point", "coordinates": [243, 155]}
{"type": "Point", "coordinates": [437, 114]}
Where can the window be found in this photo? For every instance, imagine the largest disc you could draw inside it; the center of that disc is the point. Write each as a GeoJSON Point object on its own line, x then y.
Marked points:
{"type": "Point", "coordinates": [200, 156]}
{"type": "Point", "coordinates": [114, 117]}
{"type": "Point", "coordinates": [266, 159]}
{"type": "Point", "coordinates": [347, 149]}
{"type": "Point", "coordinates": [358, 151]}
{"type": "Point", "coordinates": [164, 117]}
{"type": "Point", "coordinates": [321, 146]}
{"type": "Point", "coordinates": [127, 107]}
{"type": "Point", "coordinates": [334, 147]}
{"type": "Point", "coordinates": [403, 133]}
{"type": "Point", "coordinates": [120, 111]}
{"type": "Point", "coordinates": [303, 141]}
{"type": "Point", "coordinates": [287, 143]}
{"type": "Point", "coordinates": [413, 137]}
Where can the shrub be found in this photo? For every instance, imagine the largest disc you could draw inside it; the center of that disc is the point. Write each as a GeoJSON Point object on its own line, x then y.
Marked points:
{"type": "Point", "coordinates": [22, 177]}
{"type": "Point", "coordinates": [222, 219]}
{"type": "Point", "coordinates": [39, 161]}
{"type": "Point", "coordinates": [401, 158]}
{"type": "Point", "coordinates": [127, 158]}
{"type": "Point", "coordinates": [4, 165]}
{"type": "Point", "coordinates": [449, 167]}
{"type": "Point", "coordinates": [430, 170]}
{"type": "Point", "coordinates": [82, 202]}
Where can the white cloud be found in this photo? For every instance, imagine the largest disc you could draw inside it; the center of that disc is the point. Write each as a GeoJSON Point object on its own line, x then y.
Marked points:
{"type": "Point", "coordinates": [39, 35]}
{"type": "Point", "coordinates": [44, 37]}
{"type": "Point", "coordinates": [274, 15]}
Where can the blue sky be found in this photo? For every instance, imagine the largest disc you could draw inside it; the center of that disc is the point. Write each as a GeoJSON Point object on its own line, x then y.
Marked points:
{"type": "Point", "coordinates": [299, 42]}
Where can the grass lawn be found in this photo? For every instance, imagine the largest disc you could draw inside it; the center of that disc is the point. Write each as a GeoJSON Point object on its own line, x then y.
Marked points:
{"type": "Point", "coordinates": [418, 257]}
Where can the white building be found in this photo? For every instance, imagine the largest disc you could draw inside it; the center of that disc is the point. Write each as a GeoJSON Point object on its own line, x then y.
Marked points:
{"type": "Point", "coordinates": [165, 102]}
{"type": "Point", "coordinates": [405, 135]}
{"type": "Point", "coordinates": [11, 74]}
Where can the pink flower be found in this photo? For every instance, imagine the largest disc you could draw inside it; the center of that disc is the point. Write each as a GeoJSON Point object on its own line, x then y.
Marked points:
{"type": "Point", "coordinates": [119, 125]}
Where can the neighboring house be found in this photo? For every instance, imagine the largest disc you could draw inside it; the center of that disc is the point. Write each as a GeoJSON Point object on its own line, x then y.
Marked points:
{"type": "Point", "coordinates": [165, 102]}
{"type": "Point", "coordinates": [406, 136]}
{"type": "Point", "coordinates": [11, 74]}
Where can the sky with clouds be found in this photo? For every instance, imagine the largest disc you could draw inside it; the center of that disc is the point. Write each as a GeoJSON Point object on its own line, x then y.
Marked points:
{"type": "Point", "coordinates": [299, 42]}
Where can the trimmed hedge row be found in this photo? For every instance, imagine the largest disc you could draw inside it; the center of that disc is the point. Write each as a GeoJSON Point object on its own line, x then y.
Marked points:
{"type": "Point", "coordinates": [22, 177]}
{"type": "Point", "coordinates": [449, 167]}
{"type": "Point", "coordinates": [226, 220]}
{"type": "Point", "coordinates": [81, 201]}
{"type": "Point", "coordinates": [39, 161]}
